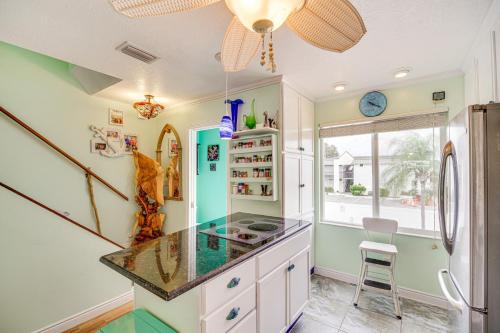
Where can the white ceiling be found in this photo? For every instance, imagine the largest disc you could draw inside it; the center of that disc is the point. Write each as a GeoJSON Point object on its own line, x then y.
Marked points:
{"type": "Point", "coordinates": [430, 36]}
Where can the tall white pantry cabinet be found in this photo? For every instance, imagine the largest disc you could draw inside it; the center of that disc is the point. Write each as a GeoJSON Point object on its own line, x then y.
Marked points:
{"type": "Point", "coordinates": [482, 64]}
{"type": "Point", "coordinates": [297, 127]}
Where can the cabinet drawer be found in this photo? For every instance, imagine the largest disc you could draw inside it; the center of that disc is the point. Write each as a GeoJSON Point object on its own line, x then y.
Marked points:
{"type": "Point", "coordinates": [278, 254]}
{"type": "Point", "coordinates": [247, 324]}
{"type": "Point", "coordinates": [219, 290]}
{"type": "Point", "coordinates": [231, 313]}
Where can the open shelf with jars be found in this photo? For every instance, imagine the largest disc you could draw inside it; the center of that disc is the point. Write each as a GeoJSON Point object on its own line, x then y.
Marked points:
{"type": "Point", "coordinates": [253, 167]}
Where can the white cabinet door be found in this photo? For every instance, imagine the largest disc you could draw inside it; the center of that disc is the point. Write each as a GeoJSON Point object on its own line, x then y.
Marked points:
{"type": "Point", "coordinates": [307, 126]}
{"type": "Point", "coordinates": [298, 284]}
{"type": "Point", "coordinates": [307, 184]}
{"type": "Point", "coordinates": [291, 185]}
{"type": "Point", "coordinates": [484, 70]}
{"type": "Point", "coordinates": [310, 218]}
{"type": "Point", "coordinates": [496, 29]}
{"type": "Point", "coordinates": [291, 120]}
{"type": "Point", "coordinates": [272, 301]}
{"type": "Point", "coordinates": [247, 325]}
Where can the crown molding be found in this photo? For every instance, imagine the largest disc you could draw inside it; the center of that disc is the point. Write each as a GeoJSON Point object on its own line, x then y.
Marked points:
{"type": "Point", "coordinates": [393, 85]}
{"type": "Point", "coordinates": [255, 85]}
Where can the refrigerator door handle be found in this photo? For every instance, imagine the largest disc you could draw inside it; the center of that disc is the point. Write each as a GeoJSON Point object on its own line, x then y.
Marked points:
{"type": "Point", "coordinates": [460, 303]}
{"type": "Point", "coordinates": [456, 303]}
{"type": "Point", "coordinates": [448, 152]}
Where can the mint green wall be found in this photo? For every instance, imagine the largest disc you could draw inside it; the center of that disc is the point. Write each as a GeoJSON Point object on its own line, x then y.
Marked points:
{"type": "Point", "coordinates": [211, 186]}
{"type": "Point", "coordinates": [337, 246]}
{"type": "Point", "coordinates": [50, 269]}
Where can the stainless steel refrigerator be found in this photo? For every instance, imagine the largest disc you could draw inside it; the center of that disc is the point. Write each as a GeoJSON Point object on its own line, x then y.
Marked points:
{"type": "Point", "coordinates": [469, 214]}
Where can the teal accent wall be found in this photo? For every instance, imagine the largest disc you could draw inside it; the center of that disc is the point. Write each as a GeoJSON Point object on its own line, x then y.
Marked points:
{"type": "Point", "coordinates": [211, 186]}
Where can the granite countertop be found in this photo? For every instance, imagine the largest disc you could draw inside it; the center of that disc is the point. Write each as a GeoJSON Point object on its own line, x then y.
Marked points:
{"type": "Point", "coordinates": [173, 264]}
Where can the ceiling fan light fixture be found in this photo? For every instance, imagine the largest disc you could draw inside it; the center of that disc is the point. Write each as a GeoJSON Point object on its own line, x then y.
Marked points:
{"type": "Point", "coordinates": [263, 16]}
{"type": "Point", "coordinates": [147, 109]}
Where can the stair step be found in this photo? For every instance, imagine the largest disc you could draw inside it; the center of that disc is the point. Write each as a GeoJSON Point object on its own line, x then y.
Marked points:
{"type": "Point", "coordinates": [378, 262]}
{"type": "Point", "coordinates": [378, 285]}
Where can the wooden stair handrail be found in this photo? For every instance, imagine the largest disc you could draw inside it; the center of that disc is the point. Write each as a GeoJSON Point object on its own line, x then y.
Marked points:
{"type": "Point", "coordinates": [58, 214]}
{"type": "Point", "coordinates": [62, 152]}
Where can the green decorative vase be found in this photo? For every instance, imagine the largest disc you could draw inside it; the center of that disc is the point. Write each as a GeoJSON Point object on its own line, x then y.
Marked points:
{"type": "Point", "coordinates": [250, 120]}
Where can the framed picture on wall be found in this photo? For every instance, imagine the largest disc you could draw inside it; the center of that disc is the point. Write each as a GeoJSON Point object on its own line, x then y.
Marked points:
{"type": "Point", "coordinates": [213, 153]}
{"type": "Point", "coordinates": [98, 145]}
{"type": "Point", "coordinates": [115, 117]}
{"type": "Point", "coordinates": [131, 143]}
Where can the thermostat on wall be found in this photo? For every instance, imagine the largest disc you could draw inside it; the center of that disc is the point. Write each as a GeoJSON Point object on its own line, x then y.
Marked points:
{"type": "Point", "coordinates": [438, 96]}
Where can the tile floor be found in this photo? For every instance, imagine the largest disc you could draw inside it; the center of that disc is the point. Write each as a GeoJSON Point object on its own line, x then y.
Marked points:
{"type": "Point", "coordinates": [331, 310]}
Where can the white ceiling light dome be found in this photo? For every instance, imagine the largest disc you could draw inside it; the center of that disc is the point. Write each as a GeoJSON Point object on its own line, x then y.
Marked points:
{"type": "Point", "coordinates": [263, 15]}
{"type": "Point", "coordinates": [339, 86]}
{"type": "Point", "coordinates": [402, 72]}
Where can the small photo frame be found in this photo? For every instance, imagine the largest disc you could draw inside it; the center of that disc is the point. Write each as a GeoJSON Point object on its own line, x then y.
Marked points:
{"type": "Point", "coordinates": [97, 145]}
{"type": "Point", "coordinates": [213, 167]}
{"type": "Point", "coordinates": [115, 117]}
{"type": "Point", "coordinates": [131, 143]}
{"type": "Point", "coordinates": [213, 152]}
{"type": "Point", "coordinates": [172, 147]}
{"type": "Point", "coordinates": [113, 134]}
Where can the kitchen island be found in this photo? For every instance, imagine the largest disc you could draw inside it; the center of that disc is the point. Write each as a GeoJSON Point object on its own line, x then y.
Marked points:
{"type": "Point", "coordinates": [241, 273]}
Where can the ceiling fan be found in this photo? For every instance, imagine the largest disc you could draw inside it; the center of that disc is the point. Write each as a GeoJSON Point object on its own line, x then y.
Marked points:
{"type": "Point", "coordinates": [333, 25]}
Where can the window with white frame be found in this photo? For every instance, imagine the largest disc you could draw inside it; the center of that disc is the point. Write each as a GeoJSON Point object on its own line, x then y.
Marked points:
{"type": "Point", "coordinates": [383, 169]}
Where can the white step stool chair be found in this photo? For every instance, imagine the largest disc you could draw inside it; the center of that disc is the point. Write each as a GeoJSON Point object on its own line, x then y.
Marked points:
{"type": "Point", "coordinates": [389, 251]}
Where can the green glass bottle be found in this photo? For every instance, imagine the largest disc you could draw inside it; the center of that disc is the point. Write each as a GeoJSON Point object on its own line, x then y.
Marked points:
{"type": "Point", "coordinates": [250, 120]}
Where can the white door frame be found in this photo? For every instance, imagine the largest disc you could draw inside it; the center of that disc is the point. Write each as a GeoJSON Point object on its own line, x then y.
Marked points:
{"type": "Point", "coordinates": [192, 174]}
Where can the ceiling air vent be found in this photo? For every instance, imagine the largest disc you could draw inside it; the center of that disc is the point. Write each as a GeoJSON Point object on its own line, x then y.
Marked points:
{"type": "Point", "coordinates": [135, 52]}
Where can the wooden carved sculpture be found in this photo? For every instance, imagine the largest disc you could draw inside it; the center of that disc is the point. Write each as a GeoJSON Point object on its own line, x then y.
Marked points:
{"type": "Point", "coordinates": [149, 184]}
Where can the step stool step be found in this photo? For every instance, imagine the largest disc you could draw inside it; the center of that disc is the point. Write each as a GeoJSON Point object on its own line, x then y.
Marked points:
{"type": "Point", "coordinates": [378, 262]}
{"type": "Point", "coordinates": [378, 285]}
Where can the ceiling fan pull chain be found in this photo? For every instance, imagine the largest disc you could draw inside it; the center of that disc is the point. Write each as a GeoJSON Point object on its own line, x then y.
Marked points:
{"type": "Point", "coordinates": [272, 65]}
{"type": "Point", "coordinates": [263, 54]}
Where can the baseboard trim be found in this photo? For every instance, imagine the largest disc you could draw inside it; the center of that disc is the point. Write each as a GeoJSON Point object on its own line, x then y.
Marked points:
{"type": "Point", "coordinates": [412, 294]}
{"type": "Point", "coordinates": [88, 314]}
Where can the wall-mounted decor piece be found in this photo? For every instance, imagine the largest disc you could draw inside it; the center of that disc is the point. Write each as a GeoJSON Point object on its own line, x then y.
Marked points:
{"type": "Point", "coordinates": [213, 152]}
{"type": "Point", "coordinates": [149, 177]}
{"type": "Point", "coordinates": [172, 147]}
{"type": "Point", "coordinates": [131, 143]}
{"type": "Point", "coordinates": [115, 117]}
{"type": "Point", "coordinates": [107, 141]}
{"type": "Point", "coordinates": [173, 188]}
{"type": "Point", "coordinates": [213, 167]}
{"type": "Point", "coordinates": [373, 104]}
{"type": "Point", "coordinates": [98, 145]}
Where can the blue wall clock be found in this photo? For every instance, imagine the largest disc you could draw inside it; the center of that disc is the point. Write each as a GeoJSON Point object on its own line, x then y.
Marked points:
{"type": "Point", "coordinates": [373, 104]}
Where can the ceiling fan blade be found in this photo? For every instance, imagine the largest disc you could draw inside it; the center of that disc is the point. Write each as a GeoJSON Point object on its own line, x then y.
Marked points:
{"type": "Point", "coordinates": [333, 25]}
{"type": "Point", "coordinates": [239, 46]}
{"type": "Point", "coordinates": [143, 8]}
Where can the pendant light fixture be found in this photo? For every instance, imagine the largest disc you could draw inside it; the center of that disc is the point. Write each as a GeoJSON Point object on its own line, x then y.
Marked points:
{"type": "Point", "coordinates": [148, 109]}
{"type": "Point", "coordinates": [226, 125]}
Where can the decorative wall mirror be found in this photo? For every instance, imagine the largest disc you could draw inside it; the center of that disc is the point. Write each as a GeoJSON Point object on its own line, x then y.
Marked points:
{"type": "Point", "coordinates": [172, 162]}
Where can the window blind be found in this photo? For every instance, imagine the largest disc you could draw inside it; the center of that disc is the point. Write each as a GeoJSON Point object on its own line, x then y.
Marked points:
{"type": "Point", "coordinates": [388, 125]}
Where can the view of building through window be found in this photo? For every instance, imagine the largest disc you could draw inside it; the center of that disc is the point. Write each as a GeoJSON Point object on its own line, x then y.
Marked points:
{"type": "Point", "coordinates": [402, 166]}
